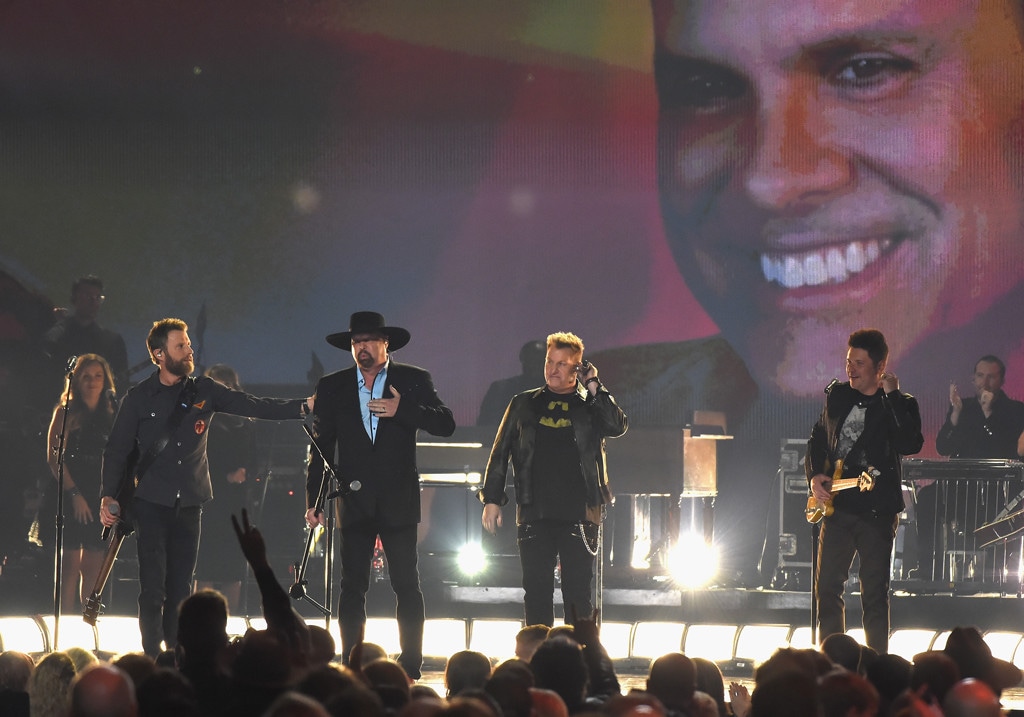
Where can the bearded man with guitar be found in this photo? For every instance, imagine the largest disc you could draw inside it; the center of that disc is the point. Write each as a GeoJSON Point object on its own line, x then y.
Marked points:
{"type": "Point", "coordinates": [165, 420]}
{"type": "Point", "coordinates": [867, 425]}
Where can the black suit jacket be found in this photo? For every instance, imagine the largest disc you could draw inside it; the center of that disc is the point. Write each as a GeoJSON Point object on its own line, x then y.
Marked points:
{"type": "Point", "coordinates": [386, 468]}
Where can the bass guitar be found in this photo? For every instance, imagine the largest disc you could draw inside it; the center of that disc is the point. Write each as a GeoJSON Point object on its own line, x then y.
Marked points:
{"type": "Point", "coordinates": [817, 509]}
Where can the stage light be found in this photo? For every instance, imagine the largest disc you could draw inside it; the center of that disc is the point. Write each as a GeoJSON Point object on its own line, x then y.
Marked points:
{"type": "Point", "coordinates": [801, 639]}
{"type": "Point", "coordinates": [714, 642]}
{"type": "Point", "coordinates": [74, 632]}
{"type": "Point", "coordinates": [693, 562]}
{"type": "Point", "coordinates": [1002, 644]}
{"type": "Point", "coordinates": [758, 642]}
{"type": "Point", "coordinates": [857, 633]}
{"type": "Point", "coordinates": [23, 634]}
{"type": "Point", "coordinates": [237, 626]}
{"type": "Point", "coordinates": [471, 559]}
{"type": "Point", "coordinates": [443, 638]}
{"type": "Point", "coordinates": [616, 637]}
{"type": "Point", "coordinates": [654, 639]}
{"type": "Point", "coordinates": [494, 638]}
{"type": "Point", "coordinates": [118, 634]}
{"type": "Point", "coordinates": [907, 643]}
{"type": "Point", "coordinates": [384, 632]}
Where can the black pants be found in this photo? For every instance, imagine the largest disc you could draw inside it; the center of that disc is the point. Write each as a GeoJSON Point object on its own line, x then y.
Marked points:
{"type": "Point", "coordinates": [357, 542]}
{"type": "Point", "coordinates": [168, 543]}
{"type": "Point", "coordinates": [870, 536]}
{"type": "Point", "coordinates": [541, 544]}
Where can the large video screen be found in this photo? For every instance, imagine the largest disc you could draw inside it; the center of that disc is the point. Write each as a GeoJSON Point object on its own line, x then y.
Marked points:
{"type": "Point", "coordinates": [712, 195]}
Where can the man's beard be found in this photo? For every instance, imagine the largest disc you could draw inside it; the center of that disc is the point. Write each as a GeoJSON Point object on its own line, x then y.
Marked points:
{"type": "Point", "coordinates": [181, 369]}
{"type": "Point", "coordinates": [366, 361]}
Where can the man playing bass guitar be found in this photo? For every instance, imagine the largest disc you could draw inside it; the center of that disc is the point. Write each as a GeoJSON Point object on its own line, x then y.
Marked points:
{"type": "Point", "coordinates": [866, 423]}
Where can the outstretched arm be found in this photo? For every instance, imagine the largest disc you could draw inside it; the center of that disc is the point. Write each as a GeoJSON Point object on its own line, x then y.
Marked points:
{"type": "Point", "coordinates": [277, 608]}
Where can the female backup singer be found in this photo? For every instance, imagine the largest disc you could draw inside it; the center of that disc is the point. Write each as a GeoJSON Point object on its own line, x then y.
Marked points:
{"type": "Point", "coordinates": [90, 416]}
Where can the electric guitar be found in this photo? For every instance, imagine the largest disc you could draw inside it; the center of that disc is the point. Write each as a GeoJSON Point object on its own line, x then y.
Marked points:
{"type": "Point", "coordinates": [817, 509]}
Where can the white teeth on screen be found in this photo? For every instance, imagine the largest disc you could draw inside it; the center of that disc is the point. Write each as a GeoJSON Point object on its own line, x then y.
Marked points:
{"type": "Point", "coordinates": [821, 266]}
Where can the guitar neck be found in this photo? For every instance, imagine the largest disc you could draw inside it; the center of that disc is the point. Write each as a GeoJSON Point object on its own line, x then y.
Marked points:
{"type": "Point", "coordinates": [844, 484]}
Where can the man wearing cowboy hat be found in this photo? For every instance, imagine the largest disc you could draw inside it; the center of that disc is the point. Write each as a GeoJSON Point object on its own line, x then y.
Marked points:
{"type": "Point", "coordinates": [367, 416]}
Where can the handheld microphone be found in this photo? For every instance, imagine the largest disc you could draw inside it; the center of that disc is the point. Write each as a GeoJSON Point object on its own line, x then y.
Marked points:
{"type": "Point", "coordinates": [72, 362]}
{"type": "Point", "coordinates": [113, 508]}
{"type": "Point", "coordinates": [351, 487]}
{"type": "Point", "coordinates": [831, 384]}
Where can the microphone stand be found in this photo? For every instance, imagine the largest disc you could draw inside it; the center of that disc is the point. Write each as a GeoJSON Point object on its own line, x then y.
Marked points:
{"type": "Point", "coordinates": [298, 588]}
{"type": "Point", "coordinates": [58, 541]}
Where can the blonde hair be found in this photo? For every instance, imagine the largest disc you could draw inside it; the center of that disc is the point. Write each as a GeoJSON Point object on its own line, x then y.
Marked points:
{"type": "Point", "coordinates": [73, 387]}
{"type": "Point", "coordinates": [566, 340]}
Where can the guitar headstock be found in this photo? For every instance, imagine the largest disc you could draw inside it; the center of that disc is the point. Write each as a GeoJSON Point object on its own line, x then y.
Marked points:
{"type": "Point", "coordinates": [92, 609]}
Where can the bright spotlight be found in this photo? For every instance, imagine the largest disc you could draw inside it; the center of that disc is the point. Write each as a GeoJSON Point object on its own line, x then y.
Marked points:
{"type": "Point", "coordinates": [692, 561]}
{"type": "Point", "coordinates": [472, 560]}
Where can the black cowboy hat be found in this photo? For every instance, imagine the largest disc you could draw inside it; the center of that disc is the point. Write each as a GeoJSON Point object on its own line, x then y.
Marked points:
{"type": "Point", "coordinates": [369, 322]}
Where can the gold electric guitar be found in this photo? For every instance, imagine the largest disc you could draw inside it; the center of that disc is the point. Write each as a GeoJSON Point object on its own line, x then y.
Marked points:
{"type": "Point", "coordinates": [817, 509]}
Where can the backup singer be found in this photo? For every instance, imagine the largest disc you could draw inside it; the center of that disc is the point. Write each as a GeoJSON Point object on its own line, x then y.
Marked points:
{"type": "Point", "coordinates": [868, 424]}
{"type": "Point", "coordinates": [166, 510]}
{"type": "Point", "coordinates": [555, 439]}
{"type": "Point", "coordinates": [368, 416]}
{"type": "Point", "coordinates": [89, 398]}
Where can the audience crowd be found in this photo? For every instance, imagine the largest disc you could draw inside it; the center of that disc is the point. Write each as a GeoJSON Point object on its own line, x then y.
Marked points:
{"type": "Point", "coordinates": [290, 669]}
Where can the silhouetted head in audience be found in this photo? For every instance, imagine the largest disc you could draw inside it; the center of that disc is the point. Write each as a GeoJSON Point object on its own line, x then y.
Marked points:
{"type": "Point", "coordinates": [528, 640]}
{"type": "Point", "coordinates": [792, 693]}
{"type": "Point", "coordinates": [323, 647]}
{"type": "Point", "coordinates": [974, 658]}
{"type": "Point", "coordinates": [634, 702]}
{"type": "Point", "coordinates": [890, 675]}
{"type": "Point", "coordinates": [971, 698]}
{"type": "Point", "coordinates": [168, 693]}
{"type": "Point", "coordinates": [509, 684]}
{"type": "Point", "coordinates": [558, 665]}
{"type": "Point", "coordinates": [102, 690]}
{"type": "Point", "coordinates": [15, 669]}
{"type": "Point", "coordinates": [936, 671]}
{"type": "Point", "coordinates": [372, 652]}
{"type": "Point", "coordinates": [137, 665]}
{"type": "Point", "coordinates": [202, 629]}
{"type": "Point", "coordinates": [710, 681]}
{"type": "Point", "coordinates": [791, 659]}
{"type": "Point", "coordinates": [49, 685]}
{"type": "Point", "coordinates": [547, 703]}
{"type": "Point", "coordinates": [847, 694]}
{"type": "Point", "coordinates": [262, 670]}
{"type": "Point", "coordinates": [81, 657]}
{"type": "Point", "coordinates": [672, 678]}
{"type": "Point", "coordinates": [293, 704]}
{"type": "Point", "coordinates": [466, 670]}
{"type": "Point", "coordinates": [323, 682]}
{"type": "Point", "coordinates": [842, 650]}
{"type": "Point", "coordinates": [390, 681]}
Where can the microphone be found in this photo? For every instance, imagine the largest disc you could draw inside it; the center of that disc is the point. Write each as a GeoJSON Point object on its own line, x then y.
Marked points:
{"type": "Point", "coordinates": [831, 384]}
{"type": "Point", "coordinates": [113, 508]}
{"type": "Point", "coordinates": [351, 487]}
{"type": "Point", "coordinates": [72, 362]}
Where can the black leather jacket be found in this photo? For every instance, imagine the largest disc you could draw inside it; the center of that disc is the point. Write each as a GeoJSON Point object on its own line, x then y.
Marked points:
{"type": "Point", "coordinates": [594, 418]}
{"type": "Point", "coordinates": [892, 428]}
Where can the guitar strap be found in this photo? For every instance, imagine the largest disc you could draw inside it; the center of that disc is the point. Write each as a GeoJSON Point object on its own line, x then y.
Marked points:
{"type": "Point", "coordinates": [185, 400]}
